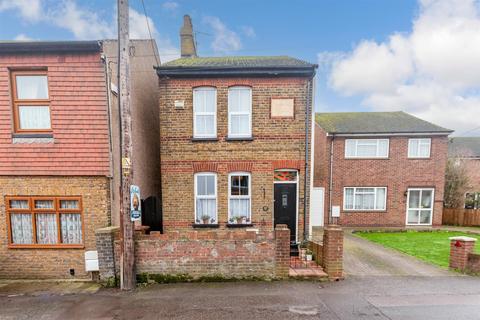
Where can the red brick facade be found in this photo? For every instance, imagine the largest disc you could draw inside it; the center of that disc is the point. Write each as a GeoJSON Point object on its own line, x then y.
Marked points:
{"type": "Point", "coordinates": [397, 173]}
{"type": "Point", "coordinates": [276, 144]}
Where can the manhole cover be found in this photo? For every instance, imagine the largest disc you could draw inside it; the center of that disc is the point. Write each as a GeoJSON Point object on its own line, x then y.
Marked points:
{"type": "Point", "coordinates": [304, 310]}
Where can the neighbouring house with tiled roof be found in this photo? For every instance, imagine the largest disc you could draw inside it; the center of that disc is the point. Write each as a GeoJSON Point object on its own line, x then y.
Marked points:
{"type": "Point", "coordinates": [379, 169]}
{"type": "Point", "coordinates": [467, 151]}
{"type": "Point", "coordinates": [59, 136]}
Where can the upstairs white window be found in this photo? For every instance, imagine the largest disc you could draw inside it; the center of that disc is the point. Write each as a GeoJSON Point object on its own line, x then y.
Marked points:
{"type": "Point", "coordinates": [364, 199]}
{"type": "Point", "coordinates": [205, 112]}
{"type": "Point", "coordinates": [206, 198]}
{"type": "Point", "coordinates": [366, 148]}
{"type": "Point", "coordinates": [239, 112]}
{"type": "Point", "coordinates": [239, 198]}
{"type": "Point", "coordinates": [419, 148]}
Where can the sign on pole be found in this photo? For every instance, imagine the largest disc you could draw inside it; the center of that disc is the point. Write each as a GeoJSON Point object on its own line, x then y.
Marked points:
{"type": "Point", "coordinates": [135, 204]}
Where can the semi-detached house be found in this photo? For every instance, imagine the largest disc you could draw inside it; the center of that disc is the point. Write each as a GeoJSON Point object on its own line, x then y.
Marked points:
{"type": "Point", "coordinates": [379, 169]}
{"type": "Point", "coordinates": [59, 136]}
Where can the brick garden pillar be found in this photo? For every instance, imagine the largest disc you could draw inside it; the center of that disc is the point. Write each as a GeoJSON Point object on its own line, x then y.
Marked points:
{"type": "Point", "coordinates": [105, 238]}
{"type": "Point", "coordinates": [460, 248]}
{"type": "Point", "coordinates": [333, 251]}
{"type": "Point", "coordinates": [282, 250]}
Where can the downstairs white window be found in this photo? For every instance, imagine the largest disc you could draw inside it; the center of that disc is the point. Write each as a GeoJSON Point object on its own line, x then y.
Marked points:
{"type": "Point", "coordinates": [364, 198]}
{"type": "Point", "coordinates": [206, 198]}
{"type": "Point", "coordinates": [239, 198]}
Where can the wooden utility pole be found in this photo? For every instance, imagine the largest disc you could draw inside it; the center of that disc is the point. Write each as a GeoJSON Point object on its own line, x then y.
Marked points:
{"type": "Point", "coordinates": [127, 257]}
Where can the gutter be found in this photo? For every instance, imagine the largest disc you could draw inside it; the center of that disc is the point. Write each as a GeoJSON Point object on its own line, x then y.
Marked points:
{"type": "Point", "coordinates": [307, 155]}
{"type": "Point", "coordinates": [191, 72]}
{"type": "Point", "coordinates": [330, 184]}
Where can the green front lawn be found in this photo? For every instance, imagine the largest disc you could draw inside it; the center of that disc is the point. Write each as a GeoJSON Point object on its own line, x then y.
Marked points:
{"type": "Point", "coordinates": [432, 247]}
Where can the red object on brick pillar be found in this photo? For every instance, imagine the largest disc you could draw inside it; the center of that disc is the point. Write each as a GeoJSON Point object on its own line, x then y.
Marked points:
{"type": "Point", "coordinates": [460, 248]}
{"type": "Point", "coordinates": [333, 251]}
{"type": "Point", "coordinates": [282, 250]}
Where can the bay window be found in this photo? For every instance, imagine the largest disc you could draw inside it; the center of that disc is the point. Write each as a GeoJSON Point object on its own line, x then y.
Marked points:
{"type": "Point", "coordinates": [239, 198]}
{"type": "Point", "coordinates": [364, 198]}
{"type": "Point", "coordinates": [45, 221]}
{"type": "Point", "coordinates": [204, 112]}
{"type": "Point", "coordinates": [239, 112]}
{"type": "Point", "coordinates": [206, 198]}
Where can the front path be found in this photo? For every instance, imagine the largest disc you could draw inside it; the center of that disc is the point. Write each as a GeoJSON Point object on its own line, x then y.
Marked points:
{"type": "Point", "coordinates": [365, 258]}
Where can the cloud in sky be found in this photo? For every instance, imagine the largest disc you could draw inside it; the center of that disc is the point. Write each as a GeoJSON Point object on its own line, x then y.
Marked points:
{"type": "Point", "coordinates": [86, 24]}
{"type": "Point", "coordinates": [248, 31]}
{"type": "Point", "coordinates": [225, 40]}
{"type": "Point", "coordinates": [30, 9]}
{"type": "Point", "coordinates": [22, 37]}
{"type": "Point", "coordinates": [432, 72]}
{"type": "Point", "coordinates": [170, 5]}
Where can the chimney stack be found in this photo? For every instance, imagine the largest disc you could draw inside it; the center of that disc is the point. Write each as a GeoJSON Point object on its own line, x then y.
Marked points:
{"type": "Point", "coordinates": [188, 49]}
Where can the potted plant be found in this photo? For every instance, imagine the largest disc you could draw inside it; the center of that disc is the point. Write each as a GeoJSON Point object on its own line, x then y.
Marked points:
{"type": "Point", "coordinates": [205, 219]}
{"type": "Point", "coordinates": [309, 255]}
{"type": "Point", "coordinates": [241, 219]}
{"type": "Point", "coordinates": [232, 220]}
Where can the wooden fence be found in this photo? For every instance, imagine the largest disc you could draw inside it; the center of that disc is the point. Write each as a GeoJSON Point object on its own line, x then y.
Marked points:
{"type": "Point", "coordinates": [461, 217]}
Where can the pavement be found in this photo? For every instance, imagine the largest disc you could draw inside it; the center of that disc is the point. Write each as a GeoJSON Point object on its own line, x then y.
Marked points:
{"type": "Point", "coordinates": [379, 284]}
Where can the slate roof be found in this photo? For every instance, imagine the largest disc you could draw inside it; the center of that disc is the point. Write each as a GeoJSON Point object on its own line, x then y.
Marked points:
{"type": "Point", "coordinates": [375, 122]}
{"type": "Point", "coordinates": [241, 65]}
{"type": "Point", "coordinates": [468, 147]}
{"type": "Point", "coordinates": [239, 61]}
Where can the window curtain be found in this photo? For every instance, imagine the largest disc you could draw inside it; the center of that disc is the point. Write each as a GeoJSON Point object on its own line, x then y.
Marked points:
{"type": "Point", "coordinates": [34, 117]}
{"type": "Point", "coordinates": [71, 228]}
{"type": "Point", "coordinates": [32, 87]}
{"type": "Point", "coordinates": [239, 208]}
{"type": "Point", "coordinates": [21, 224]}
{"type": "Point", "coordinates": [68, 204]}
{"type": "Point", "coordinates": [380, 205]}
{"type": "Point", "coordinates": [46, 228]}
{"type": "Point", "coordinates": [206, 207]}
{"type": "Point", "coordinates": [349, 198]}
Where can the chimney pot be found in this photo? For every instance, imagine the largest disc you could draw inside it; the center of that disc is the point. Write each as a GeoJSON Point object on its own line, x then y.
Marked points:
{"type": "Point", "coordinates": [188, 48]}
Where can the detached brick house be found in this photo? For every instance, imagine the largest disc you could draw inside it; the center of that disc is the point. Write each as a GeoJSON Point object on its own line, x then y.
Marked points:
{"type": "Point", "coordinates": [467, 151]}
{"type": "Point", "coordinates": [380, 169]}
{"type": "Point", "coordinates": [58, 138]}
{"type": "Point", "coordinates": [234, 141]}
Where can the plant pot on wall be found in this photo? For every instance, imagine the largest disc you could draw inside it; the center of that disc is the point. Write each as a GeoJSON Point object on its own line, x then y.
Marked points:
{"type": "Point", "coordinates": [206, 219]}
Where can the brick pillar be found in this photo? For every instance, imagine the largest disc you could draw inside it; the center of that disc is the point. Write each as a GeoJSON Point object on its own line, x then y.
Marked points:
{"type": "Point", "coordinates": [460, 248]}
{"type": "Point", "coordinates": [104, 239]}
{"type": "Point", "coordinates": [333, 251]}
{"type": "Point", "coordinates": [282, 250]}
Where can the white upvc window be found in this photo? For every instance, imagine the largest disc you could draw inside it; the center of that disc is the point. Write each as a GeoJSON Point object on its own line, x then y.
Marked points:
{"type": "Point", "coordinates": [240, 112]}
{"type": "Point", "coordinates": [366, 148]}
{"type": "Point", "coordinates": [364, 198]}
{"type": "Point", "coordinates": [204, 112]}
{"type": "Point", "coordinates": [419, 148]}
{"type": "Point", "coordinates": [239, 198]}
{"type": "Point", "coordinates": [206, 198]}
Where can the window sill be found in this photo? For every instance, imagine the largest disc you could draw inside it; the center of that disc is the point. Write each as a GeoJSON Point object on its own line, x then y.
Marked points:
{"type": "Point", "coordinates": [46, 246]}
{"type": "Point", "coordinates": [204, 226]}
{"type": "Point", "coordinates": [239, 139]}
{"type": "Point", "coordinates": [28, 138]}
{"type": "Point", "coordinates": [419, 158]}
{"type": "Point", "coordinates": [239, 225]}
{"type": "Point", "coordinates": [204, 139]}
{"type": "Point", "coordinates": [364, 211]}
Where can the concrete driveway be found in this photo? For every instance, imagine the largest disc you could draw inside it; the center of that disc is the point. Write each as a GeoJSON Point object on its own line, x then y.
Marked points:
{"type": "Point", "coordinates": [365, 258]}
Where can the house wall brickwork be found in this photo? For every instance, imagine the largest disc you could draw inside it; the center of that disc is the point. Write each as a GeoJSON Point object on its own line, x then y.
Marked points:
{"type": "Point", "coordinates": [215, 253]}
{"type": "Point", "coordinates": [37, 263]}
{"type": "Point", "coordinates": [277, 143]}
{"type": "Point", "coordinates": [397, 173]}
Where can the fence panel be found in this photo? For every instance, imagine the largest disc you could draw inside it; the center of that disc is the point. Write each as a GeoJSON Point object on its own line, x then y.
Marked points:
{"type": "Point", "coordinates": [461, 217]}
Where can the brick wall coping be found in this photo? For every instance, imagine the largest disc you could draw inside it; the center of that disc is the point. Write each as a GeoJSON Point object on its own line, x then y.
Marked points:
{"type": "Point", "coordinates": [463, 238]}
{"type": "Point", "coordinates": [111, 229]}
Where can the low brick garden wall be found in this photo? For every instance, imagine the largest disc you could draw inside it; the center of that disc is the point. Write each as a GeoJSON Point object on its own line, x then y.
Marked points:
{"type": "Point", "coordinates": [193, 255]}
{"type": "Point", "coordinates": [462, 257]}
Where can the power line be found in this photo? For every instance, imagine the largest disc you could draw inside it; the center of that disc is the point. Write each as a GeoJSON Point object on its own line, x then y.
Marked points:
{"type": "Point", "coordinates": [463, 133]}
{"type": "Point", "coordinates": [150, 33]}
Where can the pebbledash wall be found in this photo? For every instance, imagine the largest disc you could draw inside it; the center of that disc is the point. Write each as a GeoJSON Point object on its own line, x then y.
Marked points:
{"type": "Point", "coordinates": [73, 161]}
{"type": "Point", "coordinates": [397, 173]}
{"type": "Point", "coordinates": [276, 144]}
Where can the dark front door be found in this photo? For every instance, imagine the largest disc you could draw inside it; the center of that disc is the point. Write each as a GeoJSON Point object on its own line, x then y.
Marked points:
{"type": "Point", "coordinates": [285, 209]}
